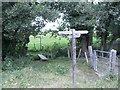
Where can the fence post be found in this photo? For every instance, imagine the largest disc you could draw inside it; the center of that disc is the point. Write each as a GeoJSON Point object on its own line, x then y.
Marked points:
{"type": "Point", "coordinates": [68, 49]}
{"type": "Point", "coordinates": [74, 57]}
{"type": "Point", "coordinates": [110, 61]}
{"type": "Point", "coordinates": [113, 59]}
{"type": "Point", "coordinates": [95, 61]}
{"type": "Point", "coordinates": [90, 54]}
{"type": "Point", "coordinates": [86, 57]}
{"type": "Point", "coordinates": [79, 54]}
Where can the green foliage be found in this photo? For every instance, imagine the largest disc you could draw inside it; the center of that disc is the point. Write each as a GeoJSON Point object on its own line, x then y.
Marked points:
{"type": "Point", "coordinates": [62, 70]}
{"type": "Point", "coordinates": [50, 46]}
{"type": "Point", "coordinates": [54, 73]}
{"type": "Point", "coordinates": [78, 14]}
{"type": "Point", "coordinates": [16, 24]}
{"type": "Point", "coordinates": [96, 43]}
{"type": "Point", "coordinates": [108, 18]}
{"type": "Point", "coordinates": [57, 50]}
{"type": "Point", "coordinates": [11, 64]}
{"type": "Point", "coordinates": [102, 17]}
{"type": "Point", "coordinates": [7, 65]}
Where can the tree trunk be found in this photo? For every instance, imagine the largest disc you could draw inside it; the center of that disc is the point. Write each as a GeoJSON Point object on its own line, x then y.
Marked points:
{"type": "Point", "coordinates": [103, 41]}
{"type": "Point", "coordinates": [89, 38]}
{"type": "Point", "coordinates": [84, 46]}
{"type": "Point", "coordinates": [111, 42]}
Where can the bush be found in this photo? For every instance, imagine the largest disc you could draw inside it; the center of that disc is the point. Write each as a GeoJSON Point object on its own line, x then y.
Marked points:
{"type": "Point", "coordinates": [62, 70]}
{"type": "Point", "coordinates": [11, 63]}
{"type": "Point", "coordinates": [58, 50]}
{"type": "Point", "coordinates": [7, 64]}
{"type": "Point", "coordinates": [96, 43]}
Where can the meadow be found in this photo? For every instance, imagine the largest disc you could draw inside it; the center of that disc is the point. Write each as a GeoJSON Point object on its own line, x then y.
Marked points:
{"type": "Point", "coordinates": [46, 41]}
{"type": "Point", "coordinates": [54, 73]}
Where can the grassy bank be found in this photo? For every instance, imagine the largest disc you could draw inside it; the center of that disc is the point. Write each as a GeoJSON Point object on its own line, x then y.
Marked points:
{"type": "Point", "coordinates": [55, 73]}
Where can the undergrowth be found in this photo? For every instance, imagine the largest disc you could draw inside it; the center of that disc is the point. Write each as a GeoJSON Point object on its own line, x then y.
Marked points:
{"type": "Point", "coordinates": [56, 73]}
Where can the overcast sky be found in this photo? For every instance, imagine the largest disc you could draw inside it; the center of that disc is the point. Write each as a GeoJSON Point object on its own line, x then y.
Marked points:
{"type": "Point", "coordinates": [53, 25]}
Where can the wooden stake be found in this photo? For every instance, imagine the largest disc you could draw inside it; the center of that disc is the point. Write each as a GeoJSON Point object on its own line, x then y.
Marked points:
{"type": "Point", "coordinates": [79, 54]}
{"type": "Point", "coordinates": [68, 52]}
{"type": "Point", "coordinates": [86, 57]}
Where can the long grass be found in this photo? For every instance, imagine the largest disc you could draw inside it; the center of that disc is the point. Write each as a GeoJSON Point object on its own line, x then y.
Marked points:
{"type": "Point", "coordinates": [46, 41]}
{"type": "Point", "coordinates": [55, 73]}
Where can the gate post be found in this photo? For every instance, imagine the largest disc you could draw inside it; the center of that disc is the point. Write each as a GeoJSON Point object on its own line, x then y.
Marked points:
{"type": "Point", "coordinates": [90, 54]}
{"type": "Point", "coordinates": [95, 61]}
{"type": "Point", "coordinates": [110, 61]}
{"type": "Point", "coordinates": [113, 60]}
{"type": "Point", "coordinates": [74, 56]}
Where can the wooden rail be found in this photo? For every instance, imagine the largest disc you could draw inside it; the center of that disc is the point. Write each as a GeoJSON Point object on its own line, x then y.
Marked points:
{"type": "Point", "coordinates": [111, 59]}
{"type": "Point", "coordinates": [102, 51]}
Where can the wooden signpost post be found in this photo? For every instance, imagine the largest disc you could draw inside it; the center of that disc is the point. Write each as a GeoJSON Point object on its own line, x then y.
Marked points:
{"type": "Point", "coordinates": [73, 35]}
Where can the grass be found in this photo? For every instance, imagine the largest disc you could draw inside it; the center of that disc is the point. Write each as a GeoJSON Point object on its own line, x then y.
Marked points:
{"type": "Point", "coordinates": [55, 73]}
{"type": "Point", "coordinates": [47, 41]}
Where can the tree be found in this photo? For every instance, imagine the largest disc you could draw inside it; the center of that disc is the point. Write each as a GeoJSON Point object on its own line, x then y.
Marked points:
{"type": "Point", "coordinates": [101, 17]}
{"type": "Point", "coordinates": [16, 25]}
{"type": "Point", "coordinates": [80, 16]}
{"type": "Point", "coordinates": [108, 25]}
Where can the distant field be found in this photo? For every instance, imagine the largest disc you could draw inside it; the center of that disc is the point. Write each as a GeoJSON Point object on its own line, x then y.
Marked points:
{"type": "Point", "coordinates": [46, 41]}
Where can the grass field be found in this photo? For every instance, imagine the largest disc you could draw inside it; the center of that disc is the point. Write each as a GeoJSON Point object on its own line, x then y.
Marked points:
{"type": "Point", "coordinates": [47, 41]}
{"type": "Point", "coordinates": [55, 73]}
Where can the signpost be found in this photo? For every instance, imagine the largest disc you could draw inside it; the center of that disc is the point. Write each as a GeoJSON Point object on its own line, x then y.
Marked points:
{"type": "Point", "coordinates": [73, 34]}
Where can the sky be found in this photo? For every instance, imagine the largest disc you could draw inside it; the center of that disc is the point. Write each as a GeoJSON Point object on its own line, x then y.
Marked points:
{"type": "Point", "coordinates": [53, 25]}
{"type": "Point", "coordinates": [50, 25]}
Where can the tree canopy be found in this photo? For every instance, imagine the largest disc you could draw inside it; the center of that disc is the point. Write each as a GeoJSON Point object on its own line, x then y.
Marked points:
{"type": "Point", "coordinates": [102, 18]}
{"type": "Point", "coordinates": [17, 19]}
{"type": "Point", "coordinates": [16, 24]}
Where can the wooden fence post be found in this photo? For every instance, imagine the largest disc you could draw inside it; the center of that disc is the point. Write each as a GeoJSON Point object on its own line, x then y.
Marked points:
{"type": "Point", "coordinates": [113, 63]}
{"type": "Point", "coordinates": [86, 57]}
{"type": "Point", "coordinates": [95, 61]}
{"type": "Point", "coordinates": [74, 56]}
{"type": "Point", "coordinates": [90, 54]}
{"type": "Point", "coordinates": [110, 61]}
{"type": "Point", "coordinates": [79, 54]}
{"type": "Point", "coordinates": [68, 52]}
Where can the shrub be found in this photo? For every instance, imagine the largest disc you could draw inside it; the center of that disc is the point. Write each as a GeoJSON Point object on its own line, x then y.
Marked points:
{"type": "Point", "coordinates": [62, 70]}
{"type": "Point", "coordinates": [58, 50]}
{"type": "Point", "coordinates": [11, 63]}
{"type": "Point", "coordinates": [7, 64]}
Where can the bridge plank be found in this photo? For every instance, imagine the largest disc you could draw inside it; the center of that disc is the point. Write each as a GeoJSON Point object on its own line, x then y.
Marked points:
{"type": "Point", "coordinates": [42, 57]}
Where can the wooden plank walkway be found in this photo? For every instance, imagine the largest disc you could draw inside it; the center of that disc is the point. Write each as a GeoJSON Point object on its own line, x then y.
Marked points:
{"type": "Point", "coordinates": [42, 57]}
